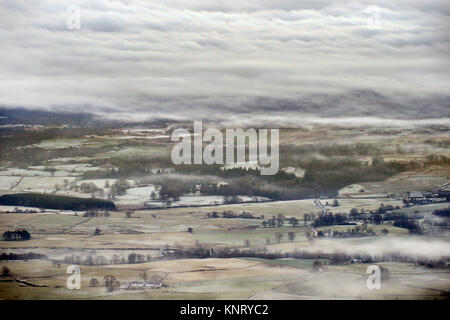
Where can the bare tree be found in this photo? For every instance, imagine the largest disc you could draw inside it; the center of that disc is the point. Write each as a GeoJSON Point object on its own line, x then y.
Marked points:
{"type": "Point", "coordinates": [111, 283]}
{"type": "Point", "coordinates": [144, 275]}
{"type": "Point", "coordinates": [291, 236]}
{"type": "Point", "coordinates": [94, 282]}
{"type": "Point", "coordinates": [5, 271]}
{"type": "Point", "coordinates": [278, 236]}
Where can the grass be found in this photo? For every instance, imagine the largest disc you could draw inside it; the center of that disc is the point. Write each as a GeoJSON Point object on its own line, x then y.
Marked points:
{"type": "Point", "coordinates": [53, 220]}
{"type": "Point", "coordinates": [422, 208]}
{"type": "Point", "coordinates": [256, 237]}
{"type": "Point", "coordinates": [296, 263]}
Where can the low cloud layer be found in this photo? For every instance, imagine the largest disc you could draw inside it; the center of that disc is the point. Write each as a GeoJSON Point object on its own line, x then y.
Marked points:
{"type": "Point", "coordinates": [217, 59]}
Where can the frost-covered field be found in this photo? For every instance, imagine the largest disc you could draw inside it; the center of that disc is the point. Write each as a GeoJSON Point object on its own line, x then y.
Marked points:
{"type": "Point", "coordinates": [41, 184]}
{"type": "Point", "coordinates": [61, 143]}
{"type": "Point", "coordinates": [194, 200]}
{"type": "Point", "coordinates": [186, 201]}
{"type": "Point", "coordinates": [77, 167]}
{"type": "Point", "coordinates": [144, 151]}
{"type": "Point", "coordinates": [135, 196]}
{"type": "Point", "coordinates": [345, 205]}
{"type": "Point", "coordinates": [200, 200]}
{"type": "Point", "coordinates": [23, 209]}
{"type": "Point", "coordinates": [6, 182]}
{"type": "Point", "coordinates": [59, 170]}
{"type": "Point", "coordinates": [32, 172]}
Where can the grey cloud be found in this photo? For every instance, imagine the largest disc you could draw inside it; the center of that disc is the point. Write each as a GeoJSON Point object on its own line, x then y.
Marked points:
{"type": "Point", "coordinates": [223, 58]}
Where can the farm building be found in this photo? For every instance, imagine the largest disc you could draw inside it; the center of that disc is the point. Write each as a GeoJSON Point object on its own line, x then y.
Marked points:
{"type": "Point", "coordinates": [154, 283]}
{"type": "Point", "coordinates": [419, 197]}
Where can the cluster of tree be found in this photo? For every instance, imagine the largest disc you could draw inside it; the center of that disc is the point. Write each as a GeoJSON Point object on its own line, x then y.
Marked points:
{"type": "Point", "coordinates": [442, 212]}
{"type": "Point", "coordinates": [335, 203]}
{"type": "Point", "coordinates": [201, 252]}
{"type": "Point", "coordinates": [438, 264]}
{"type": "Point", "coordinates": [278, 221]}
{"type": "Point", "coordinates": [231, 215]}
{"type": "Point", "coordinates": [328, 176]}
{"type": "Point", "coordinates": [90, 188]}
{"type": "Point", "coordinates": [378, 214]}
{"type": "Point", "coordinates": [138, 258]}
{"type": "Point", "coordinates": [119, 188]}
{"type": "Point", "coordinates": [324, 177]}
{"type": "Point", "coordinates": [398, 219]}
{"type": "Point", "coordinates": [412, 225]}
{"type": "Point", "coordinates": [349, 233]}
{"type": "Point", "coordinates": [6, 272]}
{"type": "Point", "coordinates": [111, 283]}
{"type": "Point", "coordinates": [94, 282]}
{"type": "Point", "coordinates": [22, 256]}
{"type": "Point", "coordinates": [135, 166]}
{"type": "Point", "coordinates": [55, 202]}
{"type": "Point", "coordinates": [16, 235]}
{"type": "Point", "coordinates": [317, 265]}
{"type": "Point", "coordinates": [385, 208]}
{"type": "Point", "coordinates": [101, 260]}
{"type": "Point", "coordinates": [330, 219]}
{"type": "Point", "coordinates": [96, 213]}
{"type": "Point", "coordinates": [171, 190]}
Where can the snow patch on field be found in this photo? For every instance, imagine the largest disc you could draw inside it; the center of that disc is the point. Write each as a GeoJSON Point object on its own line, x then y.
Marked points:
{"type": "Point", "coordinates": [298, 172]}
{"type": "Point", "coordinates": [6, 182]}
{"type": "Point", "coordinates": [135, 195]}
{"type": "Point", "coordinates": [61, 143]}
{"type": "Point", "coordinates": [24, 209]}
{"type": "Point", "coordinates": [252, 199]}
{"type": "Point", "coordinates": [77, 167]}
{"type": "Point", "coordinates": [353, 188]}
{"type": "Point", "coordinates": [200, 200]}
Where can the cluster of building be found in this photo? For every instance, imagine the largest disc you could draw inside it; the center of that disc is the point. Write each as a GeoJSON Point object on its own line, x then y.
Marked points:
{"type": "Point", "coordinates": [424, 197]}
{"type": "Point", "coordinates": [154, 283]}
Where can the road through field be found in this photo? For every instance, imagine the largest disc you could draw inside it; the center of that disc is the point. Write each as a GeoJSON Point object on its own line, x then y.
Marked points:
{"type": "Point", "coordinates": [320, 206]}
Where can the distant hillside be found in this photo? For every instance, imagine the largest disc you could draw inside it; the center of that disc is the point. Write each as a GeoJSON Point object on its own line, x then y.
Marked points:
{"type": "Point", "coordinates": [25, 116]}
{"type": "Point", "coordinates": [37, 117]}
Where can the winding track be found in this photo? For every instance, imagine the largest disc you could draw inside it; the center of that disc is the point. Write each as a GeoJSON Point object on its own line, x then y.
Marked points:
{"type": "Point", "coordinates": [18, 182]}
{"type": "Point", "coordinates": [320, 205]}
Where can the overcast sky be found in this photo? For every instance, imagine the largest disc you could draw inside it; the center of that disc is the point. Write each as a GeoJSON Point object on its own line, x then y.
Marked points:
{"type": "Point", "coordinates": [218, 59]}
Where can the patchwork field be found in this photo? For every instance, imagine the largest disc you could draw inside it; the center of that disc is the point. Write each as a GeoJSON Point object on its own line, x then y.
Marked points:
{"type": "Point", "coordinates": [205, 232]}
